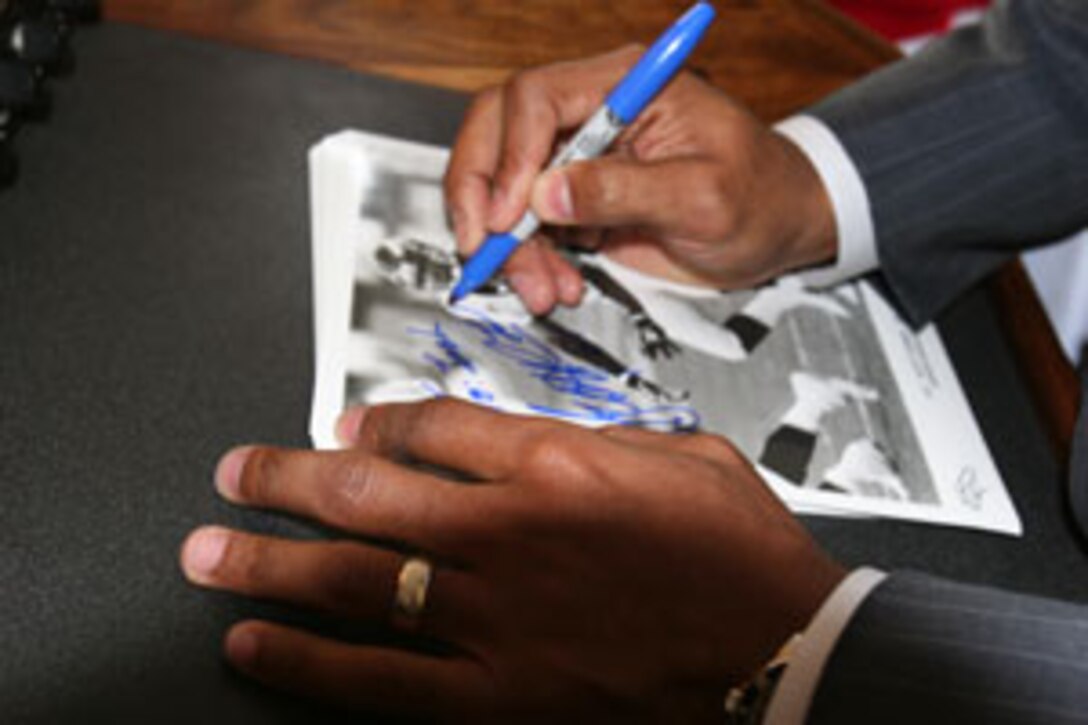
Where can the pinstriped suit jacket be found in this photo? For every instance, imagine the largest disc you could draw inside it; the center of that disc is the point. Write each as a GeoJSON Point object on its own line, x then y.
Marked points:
{"type": "Point", "coordinates": [970, 152]}
{"type": "Point", "coordinates": [924, 650]}
{"type": "Point", "coordinates": [973, 149]}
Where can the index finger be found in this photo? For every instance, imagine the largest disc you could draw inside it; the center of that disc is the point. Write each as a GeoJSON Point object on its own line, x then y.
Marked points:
{"type": "Point", "coordinates": [475, 156]}
{"type": "Point", "coordinates": [537, 105]}
{"type": "Point", "coordinates": [353, 491]}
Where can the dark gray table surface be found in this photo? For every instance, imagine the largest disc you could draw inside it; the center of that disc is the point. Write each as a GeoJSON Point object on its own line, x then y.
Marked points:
{"type": "Point", "coordinates": [155, 309]}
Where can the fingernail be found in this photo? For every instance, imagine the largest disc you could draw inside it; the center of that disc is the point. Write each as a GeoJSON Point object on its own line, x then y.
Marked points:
{"type": "Point", "coordinates": [552, 197]}
{"type": "Point", "coordinates": [228, 474]}
{"type": "Point", "coordinates": [242, 646]}
{"type": "Point", "coordinates": [349, 424]}
{"type": "Point", "coordinates": [203, 552]}
{"type": "Point", "coordinates": [531, 292]}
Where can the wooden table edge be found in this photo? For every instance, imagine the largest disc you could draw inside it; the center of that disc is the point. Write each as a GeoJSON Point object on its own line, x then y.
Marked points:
{"type": "Point", "coordinates": [1050, 377]}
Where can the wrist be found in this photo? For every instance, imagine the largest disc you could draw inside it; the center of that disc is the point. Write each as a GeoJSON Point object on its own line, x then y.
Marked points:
{"type": "Point", "coordinates": [814, 575]}
{"type": "Point", "coordinates": [791, 601]}
{"type": "Point", "coordinates": [811, 591]}
{"type": "Point", "coordinates": [798, 661]}
{"type": "Point", "coordinates": [813, 236]}
{"type": "Point", "coordinates": [844, 189]}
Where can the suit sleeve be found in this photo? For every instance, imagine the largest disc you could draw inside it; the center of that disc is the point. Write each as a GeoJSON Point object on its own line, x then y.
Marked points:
{"type": "Point", "coordinates": [922, 649]}
{"type": "Point", "coordinates": [974, 149]}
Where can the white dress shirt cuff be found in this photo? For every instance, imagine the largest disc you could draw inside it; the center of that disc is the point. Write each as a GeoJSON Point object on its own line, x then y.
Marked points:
{"type": "Point", "coordinates": [790, 703]}
{"type": "Point", "coordinates": [849, 200]}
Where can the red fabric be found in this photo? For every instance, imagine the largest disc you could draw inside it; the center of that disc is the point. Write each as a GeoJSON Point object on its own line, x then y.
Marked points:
{"type": "Point", "coordinates": [899, 19]}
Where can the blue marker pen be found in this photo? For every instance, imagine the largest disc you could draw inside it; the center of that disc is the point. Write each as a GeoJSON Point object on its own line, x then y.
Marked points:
{"type": "Point", "coordinates": [653, 70]}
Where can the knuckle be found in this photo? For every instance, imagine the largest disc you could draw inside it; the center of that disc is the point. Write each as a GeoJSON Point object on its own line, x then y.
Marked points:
{"type": "Point", "coordinates": [244, 562]}
{"type": "Point", "coordinates": [541, 449]}
{"type": "Point", "coordinates": [554, 453]}
{"type": "Point", "coordinates": [347, 578]}
{"type": "Point", "coordinates": [712, 205]}
{"type": "Point", "coordinates": [461, 187]}
{"type": "Point", "coordinates": [714, 447]}
{"type": "Point", "coordinates": [485, 104]}
{"type": "Point", "coordinates": [687, 82]}
{"type": "Point", "coordinates": [349, 487]}
{"type": "Point", "coordinates": [434, 411]}
{"type": "Point", "coordinates": [486, 100]}
{"type": "Point", "coordinates": [516, 160]}
{"type": "Point", "coordinates": [371, 433]}
{"type": "Point", "coordinates": [427, 417]}
{"type": "Point", "coordinates": [390, 429]}
{"type": "Point", "coordinates": [594, 189]}
{"type": "Point", "coordinates": [614, 430]}
{"type": "Point", "coordinates": [527, 85]}
{"type": "Point", "coordinates": [260, 474]}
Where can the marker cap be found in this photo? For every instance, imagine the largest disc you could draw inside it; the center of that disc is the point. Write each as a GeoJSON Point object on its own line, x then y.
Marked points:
{"type": "Point", "coordinates": [658, 65]}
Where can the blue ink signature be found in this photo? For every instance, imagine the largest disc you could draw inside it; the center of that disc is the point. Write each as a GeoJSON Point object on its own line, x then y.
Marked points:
{"type": "Point", "coordinates": [452, 357]}
{"type": "Point", "coordinates": [589, 396]}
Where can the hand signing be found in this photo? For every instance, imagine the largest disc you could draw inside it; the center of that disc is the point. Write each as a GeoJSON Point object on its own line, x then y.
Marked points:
{"type": "Point", "coordinates": [697, 190]}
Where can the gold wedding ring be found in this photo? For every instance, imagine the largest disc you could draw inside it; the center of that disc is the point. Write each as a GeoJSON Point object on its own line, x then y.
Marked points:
{"type": "Point", "coordinates": [413, 581]}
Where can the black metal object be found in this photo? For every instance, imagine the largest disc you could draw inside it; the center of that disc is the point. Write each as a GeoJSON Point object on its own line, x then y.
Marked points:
{"type": "Point", "coordinates": [20, 87]}
{"type": "Point", "coordinates": [34, 48]}
{"type": "Point", "coordinates": [8, 165]}
{"type": "Point", "coordinates": [40, 42]}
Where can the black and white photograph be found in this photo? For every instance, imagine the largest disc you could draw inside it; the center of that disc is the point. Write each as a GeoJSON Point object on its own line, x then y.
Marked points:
{"type": "Point", "coordinates": [839, 404]}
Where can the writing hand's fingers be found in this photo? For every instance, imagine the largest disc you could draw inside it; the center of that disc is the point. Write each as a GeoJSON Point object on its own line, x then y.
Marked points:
{"type": "Point", "coordinates": [530, 275]}
{"type": "Point", "coordinates": [674, 196]}
{"type": "Point", "coordinates": [361, 677]}
{"type": "Point", "coordinates": [352, 491]}
{"type": "Point", "coordinates": [541, 277]}
{"type": "Point", "coordinates": [569, 285]}
{"type": "Point", "coordinates": [342, 578]}
{"type": "Point", "coordinates": [448, 433]}
{"type": "Point", "coordinates": [537, 105]}
{"type": "Point", "coordinates": [472, 165]}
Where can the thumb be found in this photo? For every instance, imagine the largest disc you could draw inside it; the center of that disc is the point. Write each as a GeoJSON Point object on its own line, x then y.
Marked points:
{"type": "Point", "coordinates": [675, 196]}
